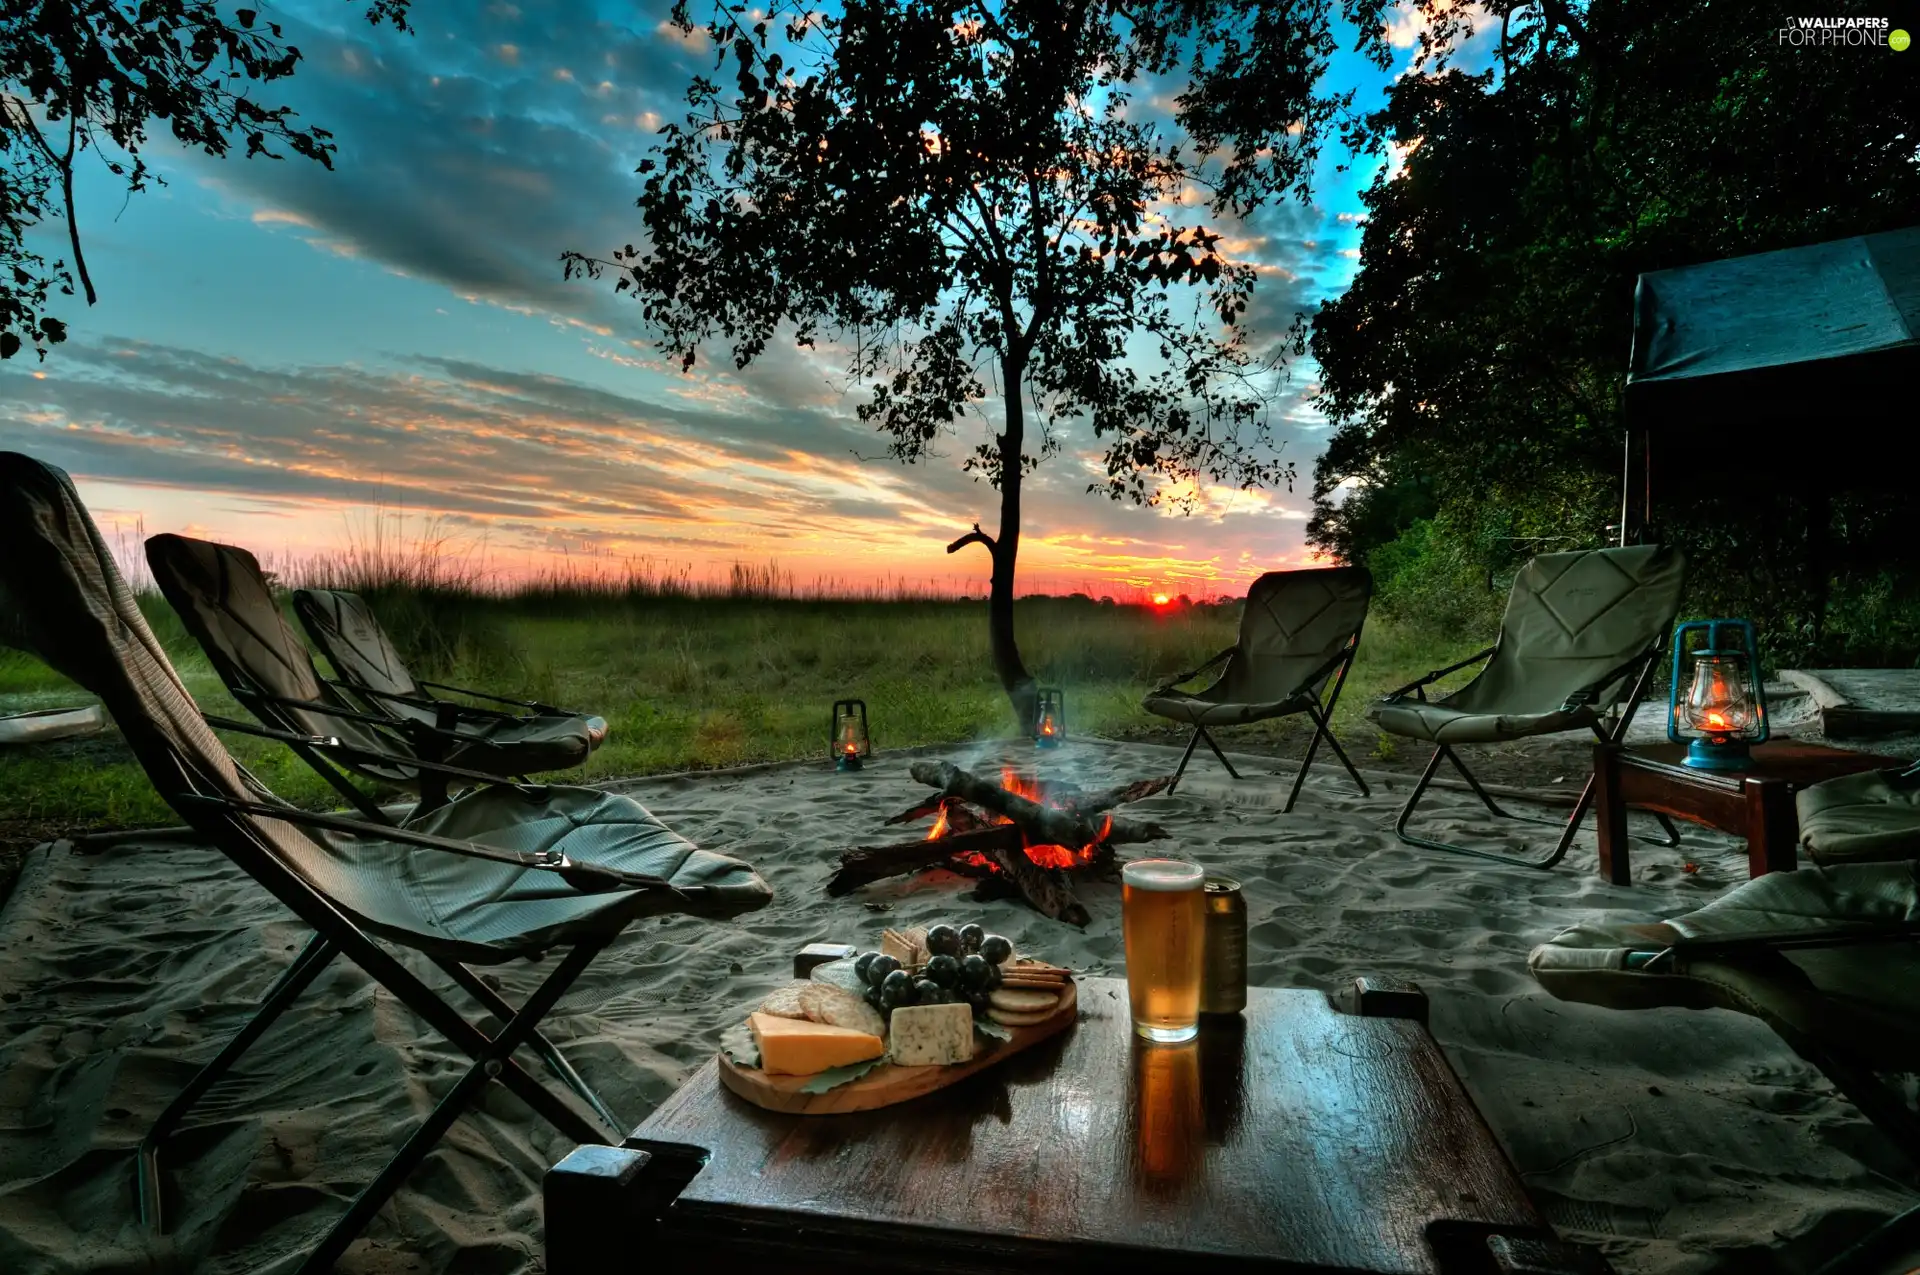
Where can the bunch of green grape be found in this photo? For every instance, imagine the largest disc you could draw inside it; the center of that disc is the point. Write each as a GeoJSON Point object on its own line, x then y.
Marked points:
{"type": "Point", "coordinates": [963, 965]}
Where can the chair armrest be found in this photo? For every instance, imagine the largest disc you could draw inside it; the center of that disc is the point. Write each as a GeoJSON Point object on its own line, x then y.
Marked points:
{"type": "Point", "coordinates": [1591, 693]}
{"type": "Point", "coordinates": [1187, 676]}
{"type": "Point", "coordinates": [1437, 674]}
{"type": "Point", "coordinates": [1842, 935]}
{"type": "Point", "coordinates": [353, 752]}
{"type": "Point", "coordinates": [588, 878]}
{"type": "Point", "coordinates": [249, 697]}
{"type": "Point", "coordinates": [536, 705]}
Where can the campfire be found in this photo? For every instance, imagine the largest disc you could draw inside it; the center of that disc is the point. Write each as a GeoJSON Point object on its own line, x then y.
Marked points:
{"type": "Point", "coordinates": [1021, 836]}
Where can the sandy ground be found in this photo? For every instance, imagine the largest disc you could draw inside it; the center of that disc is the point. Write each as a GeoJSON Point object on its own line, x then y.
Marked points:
{"type": "Point", "coordinates": [1679, 1142]}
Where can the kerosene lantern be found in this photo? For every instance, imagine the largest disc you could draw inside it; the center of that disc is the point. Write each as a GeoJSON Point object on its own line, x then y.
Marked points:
{"type": "Point", "coordinates": [1720, 710]}
{"type": "Point", "coordinates": [848, 739]}
{"type": "Point", "coordinates": [1050, 719]}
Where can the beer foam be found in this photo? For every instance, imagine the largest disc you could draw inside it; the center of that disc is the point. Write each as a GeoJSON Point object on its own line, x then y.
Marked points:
{"type": "Point", "coordinates": [1162, 874]}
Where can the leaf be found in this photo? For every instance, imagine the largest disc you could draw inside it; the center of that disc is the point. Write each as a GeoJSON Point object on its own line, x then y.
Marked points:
{"type": "Point", "coordinates": [987, 1027]}
{"type": "Point", "coordinates": [246, 17]}
{"type": "Point", "coordinates": [738, 1045]}
{"type": "Point", "coordinates": [9, 345]}
{"type": "Point", "coordinates": [834, 1077]}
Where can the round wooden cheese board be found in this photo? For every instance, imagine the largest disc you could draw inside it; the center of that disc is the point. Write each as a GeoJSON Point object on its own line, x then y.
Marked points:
{"type": "Point", "coordinates": [888, 1084]}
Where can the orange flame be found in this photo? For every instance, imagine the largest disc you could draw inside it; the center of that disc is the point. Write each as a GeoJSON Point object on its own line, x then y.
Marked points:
{"type": "Point", "coordinates": [1717, 720]}
{"type": "Point", "coordinates": [1043, 855]}
{"type": "Point", "coordinates": [939, 825]}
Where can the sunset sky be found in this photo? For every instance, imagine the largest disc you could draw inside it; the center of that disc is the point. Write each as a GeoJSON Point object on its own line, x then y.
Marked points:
{"type": "Point", "coordinates": [289, 359]}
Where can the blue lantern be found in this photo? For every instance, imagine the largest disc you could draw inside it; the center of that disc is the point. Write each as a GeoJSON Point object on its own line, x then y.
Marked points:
{"type": "Point", "coordinates": [1050, 719]}
{"type": "Point", "coordinates": [847, 738]}
{"type": "Point", "coordinates": [1721, 710]}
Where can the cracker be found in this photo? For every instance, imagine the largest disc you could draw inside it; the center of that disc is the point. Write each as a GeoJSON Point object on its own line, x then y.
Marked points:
{"type": "Point", "coordinates": [1021, 1000]}
{"type": "Point", "coordinates": [784, 1002]}
{"type": "Point", "coordinates": [1007, 1018]}
{"type": "Point", "coordinates": [837, 1007]}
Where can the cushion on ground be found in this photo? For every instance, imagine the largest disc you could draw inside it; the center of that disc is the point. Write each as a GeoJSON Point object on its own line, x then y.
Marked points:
{"type": "Point", "coordinates": [1872, 815]}
{"type": "Point", "coordinates": [1862, 997]}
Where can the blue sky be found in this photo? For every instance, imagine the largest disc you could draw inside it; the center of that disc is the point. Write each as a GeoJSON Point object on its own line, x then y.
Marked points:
{"type": "Point", "coordinates": [287, 358]}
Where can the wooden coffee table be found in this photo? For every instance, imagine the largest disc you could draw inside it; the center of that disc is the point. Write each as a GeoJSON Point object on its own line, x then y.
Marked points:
{"type": "Point", "coordinates": [1297, 1139]}
{"type": "Point", "coordinates": [1756, 803]}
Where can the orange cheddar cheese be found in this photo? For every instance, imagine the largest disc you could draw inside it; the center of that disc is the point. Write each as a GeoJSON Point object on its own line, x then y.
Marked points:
{"type": "Point", "coordinates": [795, 1047]}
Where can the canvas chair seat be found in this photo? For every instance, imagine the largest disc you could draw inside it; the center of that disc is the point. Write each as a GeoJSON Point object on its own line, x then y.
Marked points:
{"type": "Point", "coordinates": [485, 912]}
{"type": "Point", "coordinates": [1199, 709]}
{"type": "Point", "coordinates": [1441, 723]}
{"type": "Point", "coordinates": [1871, 815]}
{"type": "Point", "coordinates": [345, 629]}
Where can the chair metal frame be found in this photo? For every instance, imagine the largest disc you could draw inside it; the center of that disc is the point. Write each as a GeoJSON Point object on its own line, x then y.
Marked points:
{"type": "Point", "coordinates": [335, 934]}
{"type": "Point", "coordinates": [1640, 668]}
{"type": "Point", "coordinates": [1330, 677]}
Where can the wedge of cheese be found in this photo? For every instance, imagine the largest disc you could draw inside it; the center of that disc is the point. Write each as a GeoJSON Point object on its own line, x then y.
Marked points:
{"type": "Point", "coordinates": [795, 1047]}
{"type": "Point", "coordinates": [931, 1035]}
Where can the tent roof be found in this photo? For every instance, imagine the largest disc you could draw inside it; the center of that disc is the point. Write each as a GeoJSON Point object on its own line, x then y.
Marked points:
{"type": "Point", "coordinates": [1831, 328]}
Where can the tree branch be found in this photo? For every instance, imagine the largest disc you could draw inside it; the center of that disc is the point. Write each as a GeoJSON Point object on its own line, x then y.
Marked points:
{"type": "Point", "coordinates": [974, 537]}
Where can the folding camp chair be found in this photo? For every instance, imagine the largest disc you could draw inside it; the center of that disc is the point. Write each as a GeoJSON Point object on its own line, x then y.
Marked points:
{"type": "Point", "coordinates": [343, 626]}
{"type": "Point", "coordinates": [1828, 958]}
{"type": "Point", "coordinates": [1298, 635]}
{"type": "Point", "coordinates": [498, 874]}
{"type": "Point", "coordinates": [225, 602]}
{"type": "Point", "coordinates": [1580, 638]}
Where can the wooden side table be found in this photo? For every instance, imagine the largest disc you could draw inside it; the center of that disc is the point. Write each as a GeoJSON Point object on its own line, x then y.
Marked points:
{"type": "Point", "coordinates": [1756, 803]}
{"type": "Point", "coordinates": [1296, 1139]}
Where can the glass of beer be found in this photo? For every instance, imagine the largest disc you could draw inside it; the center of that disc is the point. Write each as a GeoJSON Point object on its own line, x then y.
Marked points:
{"type": "Point", "coordinates": [1163, 912]}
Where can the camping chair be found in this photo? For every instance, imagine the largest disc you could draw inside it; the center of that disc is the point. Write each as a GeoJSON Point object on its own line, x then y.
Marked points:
{"type": "Point", "coordinates": [498, 874]}
{"type": "Point", "coordinates": [1827, 958]}
{"type": "Point", "coordinates": [1579, 640]}
{"type": "Point", "coordinates": [225, 602]}
{"type": "Point", "coordinates": [1863, 818]}
{"type": "Point", "coordinates": [343, 626]}
{"type": "Point", "coordinates": [1298, 636]}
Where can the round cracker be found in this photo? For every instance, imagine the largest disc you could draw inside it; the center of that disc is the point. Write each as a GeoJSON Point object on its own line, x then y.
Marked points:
{"type": "Point", "coordinates": [838, 1007]}
{"type": "Point", "coordinates": [784, 1002]}
{"type": "Point", "coordinates": [1008, 1019]}
{"type": "Point", "coordinates": [1021, 1000]}
{"type": "Point", "coordinates": [1026, 983]}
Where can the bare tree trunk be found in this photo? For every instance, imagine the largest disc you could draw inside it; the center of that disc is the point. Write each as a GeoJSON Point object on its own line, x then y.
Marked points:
{"type": "Point", "coordinates": [1012, 670]}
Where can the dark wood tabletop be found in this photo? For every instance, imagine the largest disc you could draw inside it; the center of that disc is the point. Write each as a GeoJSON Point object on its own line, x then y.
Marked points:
{"type": "Point", "coordinates": [1296, 1139]}
{"type": "Point", "coordinates": [1791, 761]}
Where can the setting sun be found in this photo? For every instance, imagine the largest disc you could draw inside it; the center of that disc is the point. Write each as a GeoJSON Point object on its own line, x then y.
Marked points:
{"type": "Point", "coordinates": [1160, 599]}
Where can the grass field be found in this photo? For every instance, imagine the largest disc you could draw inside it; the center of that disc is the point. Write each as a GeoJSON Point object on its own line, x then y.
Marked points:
{"type": "Point", "coordinates": [692, 681]}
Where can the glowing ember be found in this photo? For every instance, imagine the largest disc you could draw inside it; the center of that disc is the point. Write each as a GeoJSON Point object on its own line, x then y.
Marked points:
{"type": "Point", "coordinates": [1043, 855]}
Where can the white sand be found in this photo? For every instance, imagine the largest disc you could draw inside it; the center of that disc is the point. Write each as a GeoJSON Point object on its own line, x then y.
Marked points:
{"type": "Point", "coordinates": [1680, 1142]}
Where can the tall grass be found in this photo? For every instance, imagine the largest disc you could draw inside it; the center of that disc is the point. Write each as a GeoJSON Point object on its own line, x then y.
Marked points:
{"type": "Point", "coordinates": [695, 673]}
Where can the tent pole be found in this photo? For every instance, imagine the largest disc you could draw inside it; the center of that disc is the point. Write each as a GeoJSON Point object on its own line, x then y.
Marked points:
{"type": "Point", "coordinates": [1626, 481]}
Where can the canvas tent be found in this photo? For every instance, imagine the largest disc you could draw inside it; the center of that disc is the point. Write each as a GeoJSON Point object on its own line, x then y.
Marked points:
{"type": "Point", "coordinates": [1805, 361]}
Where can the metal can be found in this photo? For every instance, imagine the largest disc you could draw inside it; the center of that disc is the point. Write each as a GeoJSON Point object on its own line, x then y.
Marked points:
{"type": "Point", "coordinates": [1223, 982]}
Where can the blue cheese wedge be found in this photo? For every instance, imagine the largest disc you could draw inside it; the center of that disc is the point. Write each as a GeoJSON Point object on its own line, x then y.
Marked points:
{"type": "Point", "coordinates": [931, 1035]}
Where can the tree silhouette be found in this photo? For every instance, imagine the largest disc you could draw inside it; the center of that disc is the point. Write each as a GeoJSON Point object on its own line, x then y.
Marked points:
{"type": "Point", "coordinates": [975, 199]}
{"type": "Point", "coordinates": [92, 75]}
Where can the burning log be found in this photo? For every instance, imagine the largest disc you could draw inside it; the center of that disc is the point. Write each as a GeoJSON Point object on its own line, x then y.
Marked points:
{"type": "Point", "coordinates": [1022, 836]}
{"type": "Point", "coordinates": [1043, 823]}
{"type": "Point", "coordinates": [1046, 890]}
{"type": "Point", "coordinates": [864, 864]}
